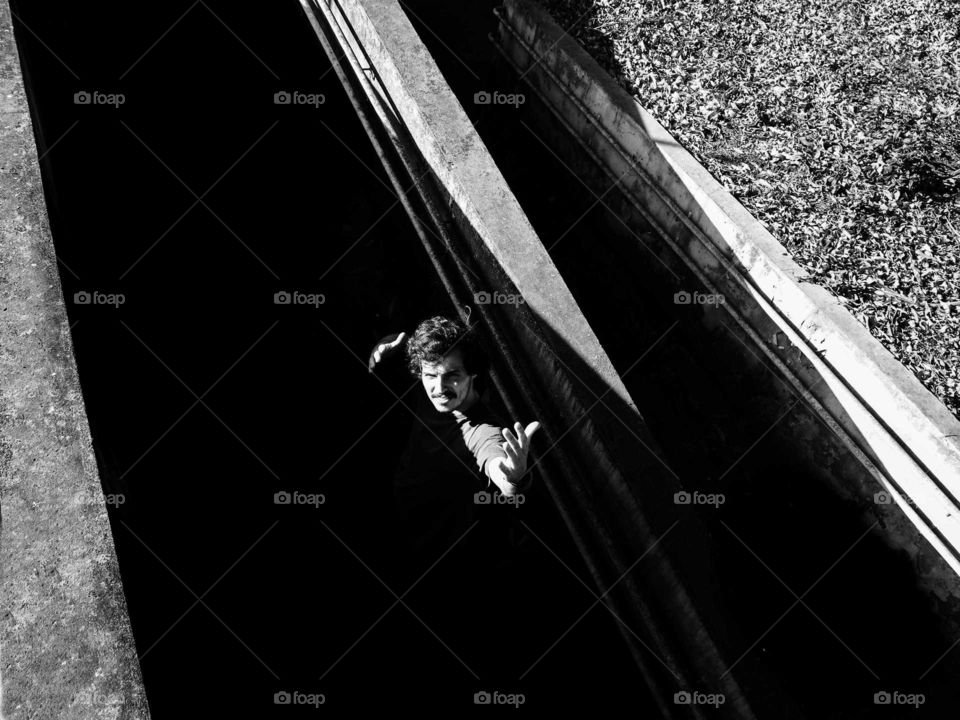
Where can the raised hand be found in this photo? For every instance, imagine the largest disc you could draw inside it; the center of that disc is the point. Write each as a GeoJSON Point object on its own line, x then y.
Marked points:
{"type": "Point", "coordinates": [384, 348]}
{"type": "Point", "coordinates": [517, 447]}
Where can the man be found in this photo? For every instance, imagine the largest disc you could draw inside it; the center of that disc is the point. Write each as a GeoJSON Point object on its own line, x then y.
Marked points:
{"type": "Point", "coordinates": [458, 446]}
{"type": "Point", "coordinates": [467, 558]}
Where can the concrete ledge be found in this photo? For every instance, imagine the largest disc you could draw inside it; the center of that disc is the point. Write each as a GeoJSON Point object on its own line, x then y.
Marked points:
{"type": "Point", "coordinates": [909, 440]}
{"type": "Point", "coordinates": [455, 152]}
{"type": "Point", "coordinates": [66, 642]}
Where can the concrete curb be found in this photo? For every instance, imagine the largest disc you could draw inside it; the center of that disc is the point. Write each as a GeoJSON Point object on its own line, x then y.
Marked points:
{"type": "Point", "coordinates": [875, 405]}
{"type": "Point", "coordinates": [67, 645]}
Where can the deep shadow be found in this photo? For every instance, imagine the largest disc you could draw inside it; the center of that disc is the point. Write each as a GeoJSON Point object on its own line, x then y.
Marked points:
{"type": "Point", "coordinates": [206, 398]}
{"type": "Point", "coordinates": [783, 532]}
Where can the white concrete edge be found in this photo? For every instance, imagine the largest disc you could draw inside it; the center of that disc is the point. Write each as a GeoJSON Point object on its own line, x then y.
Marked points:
{"type": "Point", "coordinates": [457, 155]}
{"type": "Point", "coordinates": [887, 387]}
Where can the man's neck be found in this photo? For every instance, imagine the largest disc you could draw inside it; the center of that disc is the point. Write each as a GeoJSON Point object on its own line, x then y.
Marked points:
{"type": "Point", "coordinates": [470, 401]}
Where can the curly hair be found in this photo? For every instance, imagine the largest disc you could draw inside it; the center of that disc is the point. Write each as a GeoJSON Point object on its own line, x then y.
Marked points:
{"type": "Point", "coordinates": [438, 336]}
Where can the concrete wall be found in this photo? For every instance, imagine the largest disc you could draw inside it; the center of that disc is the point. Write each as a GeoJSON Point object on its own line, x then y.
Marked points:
{"type": "Point", "coordinates": [66, 644]}
{"type": "Point", "coordinates": [870, 424]}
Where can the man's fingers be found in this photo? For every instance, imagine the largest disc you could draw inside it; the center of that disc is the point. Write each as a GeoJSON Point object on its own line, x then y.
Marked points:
{"type": "Point", "coordinates": [512, 455]}
{"type": "Point", "coordinates": [381, 348]}
{"type": "Point", "coordinates": [524, 434]}
{"type": "Point", "coordinates": [511, 440]}
{"type": "Point", "coordinates": [531, 429]}
{"type": "Point", "coordinates": [518, 433]}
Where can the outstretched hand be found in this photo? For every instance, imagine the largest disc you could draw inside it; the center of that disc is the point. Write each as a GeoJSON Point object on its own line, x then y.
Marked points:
{"type": "Point", "coordinates": [384, 348]}
{"type": "Point", "coordinates": [517, 447]}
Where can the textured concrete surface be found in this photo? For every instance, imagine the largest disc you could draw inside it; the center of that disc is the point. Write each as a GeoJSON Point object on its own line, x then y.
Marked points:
{"type": "Point", "coordinates": [67, 648]}
{"type": "Point", "coordinates": [868, 401]}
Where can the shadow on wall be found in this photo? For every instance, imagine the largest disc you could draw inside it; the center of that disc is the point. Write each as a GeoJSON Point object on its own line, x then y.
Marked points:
{"type": "Point", "coordinates": [578, 18]}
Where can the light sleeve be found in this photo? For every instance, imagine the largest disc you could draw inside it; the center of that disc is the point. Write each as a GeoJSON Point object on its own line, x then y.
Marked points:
{"type": "Point", "coordinates": [485, 443]}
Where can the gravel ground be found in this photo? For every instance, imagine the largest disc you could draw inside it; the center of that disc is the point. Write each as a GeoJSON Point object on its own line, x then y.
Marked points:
{"type": "Point", "coordinates": [836, 123]}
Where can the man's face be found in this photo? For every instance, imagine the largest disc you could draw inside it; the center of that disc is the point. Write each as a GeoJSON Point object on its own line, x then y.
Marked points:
{"type": "Point", "coordinates": [447, 383]}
